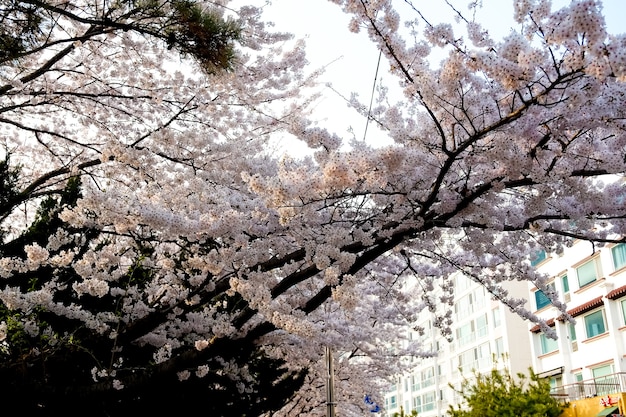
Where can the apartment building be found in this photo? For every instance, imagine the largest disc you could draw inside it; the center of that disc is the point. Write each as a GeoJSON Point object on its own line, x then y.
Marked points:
{"type": "Point", "coordinates": [483, 330]}
{"type": "Point", "coordinates": [587, 361]}
{"type": "Point", "coordinates": [588, 358]}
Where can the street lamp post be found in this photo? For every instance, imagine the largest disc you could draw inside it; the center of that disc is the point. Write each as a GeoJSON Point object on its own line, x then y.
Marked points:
{"type": "Point", "coordinates": [330, 384]}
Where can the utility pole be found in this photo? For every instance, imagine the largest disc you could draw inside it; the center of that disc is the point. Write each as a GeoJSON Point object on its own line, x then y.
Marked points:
{"type": "Point", "coordinates": [330, 384]}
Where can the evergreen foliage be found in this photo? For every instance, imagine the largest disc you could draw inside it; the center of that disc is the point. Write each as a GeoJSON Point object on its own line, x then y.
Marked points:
{"type": "Point", "coordinates": [185, 25]}
{"type": "Point", "coordinates": [499, 393]}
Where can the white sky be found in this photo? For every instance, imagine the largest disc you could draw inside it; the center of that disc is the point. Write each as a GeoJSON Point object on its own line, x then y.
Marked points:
{"type": "Point", "coordinates": [352, 58]}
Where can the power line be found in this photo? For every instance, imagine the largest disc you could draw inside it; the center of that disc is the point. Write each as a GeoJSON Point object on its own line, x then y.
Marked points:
{"type": "Point", "coordinates": [369, 111]}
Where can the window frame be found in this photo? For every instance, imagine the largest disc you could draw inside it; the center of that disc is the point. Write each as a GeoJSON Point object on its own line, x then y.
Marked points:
{"type": "Point", "coordinates": [544, 298]}
{"type": "Point", "coordinates": [417, 403]}
{"type": "Point", "coordinates": [607, 370]}
{"type": "Point", "coordinates": [466, 333]}
{"type": "Point", "coordinates": [587, 325]}
{"type": "Point", "coordinates": [428, 377]}
{"type": "Point", "coordinates": [497, 319]}
{"type": "Point", "coordinates": [415, 382]}
{"type": "Point", "coordinates": [546, 343]}
{"type": "Point", "coordinates": [482, 328]}
{"type": "Point", "coordinates": [499, 345]}
{"type": "Point", "coordinates": [621, 247]}
{"type": "Point", "coordinates": [600, 379]}
{"type": "Point", "coordinates": [565, 283]}
{"type": "Point", "coordinates": [393, 401]}
{"type": "Point", "coordinates": [571, 330]}
{"type": "Point", "coordinates": [484, 357]}
{"type": "Point", "coordinates": [538, 257]}
{"type": "Point", "coordinates": [429, 405]}
{"type": "Point", "coordinates": [596, 269]}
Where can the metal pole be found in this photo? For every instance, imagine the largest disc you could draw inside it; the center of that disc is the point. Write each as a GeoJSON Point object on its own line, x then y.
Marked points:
{"type": "Point", "coordinates": [330, 384]}
{"type": "Point", "coordinates": [438, 398]}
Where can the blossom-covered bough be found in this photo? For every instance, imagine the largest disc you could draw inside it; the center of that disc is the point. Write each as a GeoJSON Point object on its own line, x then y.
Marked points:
{"type": "Point", "coordinates": [157, 256]}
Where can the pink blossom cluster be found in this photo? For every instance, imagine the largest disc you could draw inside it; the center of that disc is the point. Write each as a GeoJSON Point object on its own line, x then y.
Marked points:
{"type": "Point", "coordinates": [186, 217]}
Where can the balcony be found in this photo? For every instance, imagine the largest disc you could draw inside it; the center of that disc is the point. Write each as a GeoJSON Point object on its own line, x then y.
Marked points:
{"type": "Point", "coordinates": [596, 387]}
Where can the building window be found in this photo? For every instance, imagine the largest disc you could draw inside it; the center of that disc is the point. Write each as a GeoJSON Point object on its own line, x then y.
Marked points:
{"type": "Point", "coordinates": [624, 310]}
{"type": "Point", "coordinates": [465, 334]}
{"type": "Point", "coordinates": [547, 344]}
{"type": "Point", "coordinates": [499, 348]}
{"type": "Point", "coordinates": [483, 355]}
{"type": "Point", "coordinates": [480, 298]}
{"type": "Point", "coordinates": [619, 256]}
{"type": "Point", "coordinates": [417, 404]}
{"type": "Point", "coordinates": [604, 381]}
{"type": "Point", "coordinates": [481, 326]}
{"type": "Point", "coordinates": [572, 332]}
{"type": "Point", "coordinates": [542, 300]}
{"type": "Point", "coordinates": [428, 402]}
{"type": "Point", "coordinates": [587, 273]}
{"type": "Point", "coordinates": [393, 402]}
{"type": "Point", "coordinates": [602, 371]}
{"type": "Point", "coordinates": [428, 377]}
{"type": "Point", "coordinates": [537, 257]}
{"type": "Point", "coordinates": [496, 317]}
{"type": "Point", "coordinates": [415, 383]}
{"type": "Point", "coordinates": [469, 303]}
{"type": "Point", "coordinates": [462, 283]}
{"type": "Point", "coordinates": [565, 283]}
{"type": "Point", "coordinates": [466, 360]}
{"type": "Point", "coordinates": [556, 381]}
{"type": "Point", "coordinates": [594, 323]}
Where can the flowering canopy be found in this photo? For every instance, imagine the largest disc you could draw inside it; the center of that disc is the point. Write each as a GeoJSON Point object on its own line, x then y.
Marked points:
{"type": "Point", "coordinates": [154, 247]}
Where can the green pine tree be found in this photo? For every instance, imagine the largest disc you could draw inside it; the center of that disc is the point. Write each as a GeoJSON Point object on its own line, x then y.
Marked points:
{"type": "Point", "coordinates": [498, 393]}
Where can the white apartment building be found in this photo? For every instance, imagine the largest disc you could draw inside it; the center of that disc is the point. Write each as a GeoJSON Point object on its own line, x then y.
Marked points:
{"type": "Point", "coordinates": [483, 330]}
{"type": "Point", "coordinates": [588, 358]}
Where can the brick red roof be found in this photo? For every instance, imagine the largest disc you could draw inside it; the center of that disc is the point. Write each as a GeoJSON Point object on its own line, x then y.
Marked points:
{"type": "Point", "coordinates": [536, 328]}
{"type": "Point", "coordinates": [583, 308]}
{"type": "Point", "coordinates": [588, 306]}
{"type": "Point", "coordinates": [617, 293]}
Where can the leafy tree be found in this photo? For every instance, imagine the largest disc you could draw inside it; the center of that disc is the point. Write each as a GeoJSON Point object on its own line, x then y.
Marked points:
{"type": "Point", "coordinates": [157, 255]}
{"type": "Point", "coordinates": [499, 393]}
{"type": "Point", "coordinates": [29, 27]}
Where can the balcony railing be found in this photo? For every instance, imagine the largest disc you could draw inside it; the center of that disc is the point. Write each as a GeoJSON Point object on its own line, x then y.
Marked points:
{"type": "Point", "coordinates": [596, 387]}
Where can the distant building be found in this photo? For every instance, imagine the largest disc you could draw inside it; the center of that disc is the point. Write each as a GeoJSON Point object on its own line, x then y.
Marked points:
{"type": "Point", "coordinates": [483, 330]}
{"type": "Point", "coordinates": [586, 364]}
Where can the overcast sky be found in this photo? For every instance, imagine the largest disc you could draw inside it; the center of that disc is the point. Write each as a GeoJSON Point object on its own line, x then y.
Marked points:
{"type": "Point", "coordinates": [352, 58]}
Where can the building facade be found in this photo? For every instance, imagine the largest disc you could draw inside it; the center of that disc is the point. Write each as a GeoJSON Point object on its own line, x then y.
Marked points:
{"type": "Point", "coordinates": [587, 359]}
{"type": "Point", "coordinates": [486, 334]}
{"type": "Point", "coordinates": [586, 364]}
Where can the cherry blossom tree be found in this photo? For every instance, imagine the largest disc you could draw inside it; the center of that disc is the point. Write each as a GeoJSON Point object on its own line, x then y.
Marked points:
{"type": "Point", "coordinates": [161, 104]}
{"type": "Point", "coordinates": [159, 256]}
